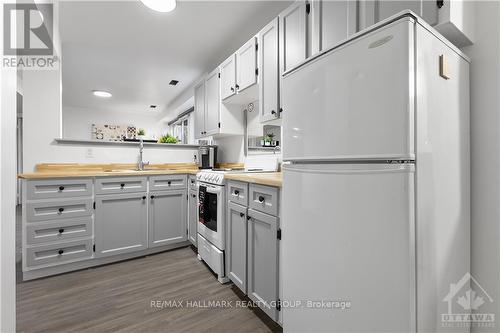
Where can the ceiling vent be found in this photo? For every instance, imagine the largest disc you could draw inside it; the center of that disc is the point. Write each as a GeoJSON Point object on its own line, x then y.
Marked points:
{"type": "Point", "coordinates": [173, 82]}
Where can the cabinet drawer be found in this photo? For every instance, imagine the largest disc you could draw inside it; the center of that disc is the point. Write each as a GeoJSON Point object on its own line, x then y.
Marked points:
{"type": "Point", "coordinates": [58, 253]}
{"type": "Point", "coordinates": [238, 192]}
{"type": "Point", "coordinates": [264, 199]}
{"type": "Point", "coordinates": [211, 255]}
{"type": "Point", "coordinates": [192, 182]}
{"type": "Point", "coordinates": [61, 230]}
{"type": "Point", "coordinates": [113, 185]}
{"type": "Point", "coordinates": [170, 182]}
{"type": "Point", "coordinates": [58, 209]}
{"type": "Point", "coordinates": [58, 188]}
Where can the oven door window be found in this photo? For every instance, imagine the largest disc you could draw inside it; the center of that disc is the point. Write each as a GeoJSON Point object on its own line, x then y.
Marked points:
{"type": "Point", "coordinates": [208, 214]}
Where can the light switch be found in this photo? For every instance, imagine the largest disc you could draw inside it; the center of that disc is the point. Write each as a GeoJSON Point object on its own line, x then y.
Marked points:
{"type": "Point", "coordinates": [444, 68]}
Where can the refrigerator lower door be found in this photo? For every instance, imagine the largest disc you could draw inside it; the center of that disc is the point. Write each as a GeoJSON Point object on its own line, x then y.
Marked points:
{"type": "Point", "coordinates": [348, 236]}
{"type": "Point", "coordinates": [354, 102]}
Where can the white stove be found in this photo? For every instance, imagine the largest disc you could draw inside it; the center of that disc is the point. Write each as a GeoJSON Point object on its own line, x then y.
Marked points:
{"type": "Point", "coordinates": [211, 177]}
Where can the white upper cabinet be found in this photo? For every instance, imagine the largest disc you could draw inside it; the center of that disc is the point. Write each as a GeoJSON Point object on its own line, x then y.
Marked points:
{"type": "Point", "coordinates": [453, 19]}
{"type": "Point", "coordinates": [246, 64]}
{"type": "Point", "coordinates": [293, 39]}
{"type": "Point", "coordinates": [199, 109]}
{"type": "Point", "coordinates": [228, 77]}
{"type": "Point", "coordinates": [269, 71]}
{"type": "Point", "coordinates": [332, 22]}
{"type": "Point", "coordinates": [212, 103]}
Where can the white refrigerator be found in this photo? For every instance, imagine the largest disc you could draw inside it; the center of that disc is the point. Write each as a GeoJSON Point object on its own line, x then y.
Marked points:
{"type": "Point", "coordinates": [375, 222]}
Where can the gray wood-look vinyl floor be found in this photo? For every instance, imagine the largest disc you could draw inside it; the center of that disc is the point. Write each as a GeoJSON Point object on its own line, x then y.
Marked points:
{"type": "Point", "coordinates": [117, 298]}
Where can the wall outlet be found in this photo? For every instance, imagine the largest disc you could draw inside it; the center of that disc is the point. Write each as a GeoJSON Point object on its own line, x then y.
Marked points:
{"type": "Point", "coordinates": [89, 153]}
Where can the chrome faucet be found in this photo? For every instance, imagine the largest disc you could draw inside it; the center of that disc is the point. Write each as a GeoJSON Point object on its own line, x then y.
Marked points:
{"type": "Point", "coordinates": [141, 164]}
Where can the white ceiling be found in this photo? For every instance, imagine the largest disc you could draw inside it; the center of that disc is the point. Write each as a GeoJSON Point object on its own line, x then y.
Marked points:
{"type": "Point", "coordinates": [134, 52]}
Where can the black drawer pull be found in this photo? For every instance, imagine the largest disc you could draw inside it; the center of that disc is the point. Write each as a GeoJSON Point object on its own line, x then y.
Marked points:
{"type": "Point", "coordinates": [60, 252]}
{"type": "Point", "coordinates": [261, 199]}
{"type": "Point", "coordinates": [122, 185]}
{"type": "Point", "coordinates": [232, 89]}
{"type": "Point", "coordinates": [61, 188]}
{"type": "Point", "coordinates": [237, 87]}
{"type": "Point", "coordinates": [194, 195]}
{"type": "Point", "coordinates": [169, 182]}
{"type": "Point", "coordinates": [236, 192]}
{"type": "Point", "coordinates": [273, 112]}
{"type": "Point", "coordinates": [61, 210]}
{"type": "Point", "coordinates": [152, 197]}
{"type": "Point", "coordinates": [61, 230]}
{"type": "Point", "coordinates": [144, 198]}
{"type": "Point", "coordinates": [248, 217]}
{"type": "Point", "coordinates": [241, 214]}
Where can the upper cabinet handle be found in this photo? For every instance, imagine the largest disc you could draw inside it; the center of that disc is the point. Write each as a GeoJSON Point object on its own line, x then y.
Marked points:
{"type": "Point", "coordinates": [232, 89]}
{"type": "Point", "coordinates": [241, 214]}
{"type": "Point", "coordinates": [61, 188]}
{"type": "Point", "coordinates": [273, 112]}
{"type": "Point", "coordinates": [237, 87]}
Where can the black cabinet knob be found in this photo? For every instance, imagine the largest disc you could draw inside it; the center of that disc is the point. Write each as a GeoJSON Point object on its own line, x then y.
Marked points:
{"type": "Point", "coordinates": [237, 87]}
{"type": "Point", "coordinates": [194, 195]}
{"type": "Point", "coordinates": [61, 188]}
{"type": "Point", "coordinates": [232, 89]}
{"type": "Point", "coordinates": [152, 197]}
{"type": "Point", "coordinates": [281, 110]}
{"type": "Point", "coordinates": [241, 214]}
{"type": "Point", "coordinates": [61, 210]}
{"type": "Point", "coordinates": [122, 185]}
{"type": "Point", "coordinates": [60, 252]}
{"type": "Point", "coordinates": [261, 198]}
{"type": "Point", "coordinates": [273, 112]}
{"type": "Point", "coordinates": [61, 230]}
{"type": "Point", "coordinates": [248, 217]}
{"type": "Point", "coordinates": [236, 192]}
{"type": "Point", "coordinates": [144, 198]}
{"type": "Point", "coordinates": [169, 183]}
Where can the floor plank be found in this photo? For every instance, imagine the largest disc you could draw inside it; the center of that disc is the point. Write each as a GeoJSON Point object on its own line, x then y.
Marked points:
{"type": "Point", "coordinates": [117, 298]}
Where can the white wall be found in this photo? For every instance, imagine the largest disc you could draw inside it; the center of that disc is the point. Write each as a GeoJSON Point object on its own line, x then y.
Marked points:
{"type": "Point", "coordinates": [485, 154]}
{"type": "Point", "coordinates": [77, 121]}
{"type": "Point", "coordinates": [8, 80]}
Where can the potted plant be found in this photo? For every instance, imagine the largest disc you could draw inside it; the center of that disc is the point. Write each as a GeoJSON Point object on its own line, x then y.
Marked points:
{"type": "Point", "coordinates": [141, 133]}
{"type": "Point", "coordinates": [168, 139]}
{"type": "Point", "coordinates": [269, 140]}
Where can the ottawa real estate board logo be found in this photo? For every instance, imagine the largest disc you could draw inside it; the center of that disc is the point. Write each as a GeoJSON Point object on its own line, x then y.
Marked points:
{"type": "Point", "coordinates": [464, 301]}
{"type": "Point", "coordinates": [28, 36]}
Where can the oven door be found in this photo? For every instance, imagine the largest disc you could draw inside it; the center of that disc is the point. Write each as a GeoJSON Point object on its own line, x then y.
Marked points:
{"type": "Point", "coordinates": [211, 214]}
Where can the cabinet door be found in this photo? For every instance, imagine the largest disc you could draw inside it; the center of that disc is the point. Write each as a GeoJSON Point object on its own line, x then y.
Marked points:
{"type": "Point", "coordinates": [120, 223]}
{"type": "Point", "coordinates": [167, 217]}
{"type": "Point", "coordinates": [262, 281]}
{"type": "Point", "coordinates": [236, 249]}
{"type": "Point", "coordinates": [333, 21]}
{"type": "Point", "coordinates": [246, 64]}
{"type": "Point", "coordinates": [269, 71]}
{"type": "Point", "coordinates": [193, 217]}
{"type": "Point", "coordinates": [199, 110]}
{"type": "Point", "coordinates": [293, 43]}
{"type": "Point", "coordinates": [373, 11]}
{"type": "Point", "coordinates": [212, 103]}
{"type": "Point", "coordinates": [228, 77]}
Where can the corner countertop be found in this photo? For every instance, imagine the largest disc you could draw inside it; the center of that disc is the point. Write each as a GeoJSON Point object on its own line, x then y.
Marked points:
{"type": "Point", "coordinates": [262, 178]}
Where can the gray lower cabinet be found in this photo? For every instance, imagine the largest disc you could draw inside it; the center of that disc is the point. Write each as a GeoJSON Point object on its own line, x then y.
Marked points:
{"type": "Point", "coordinates": [193, 216]}
{"type": "Point", "coordinates": [167, 217]}
{"type": "Point", "coordinates": [121, 223]}
{"type": "Point", "coordinates": [262, 283]}
{"type": "Point", "coordinates": [236, 245]}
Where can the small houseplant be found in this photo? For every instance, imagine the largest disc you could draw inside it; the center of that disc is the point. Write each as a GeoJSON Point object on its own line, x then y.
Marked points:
{"type": "Point", "coordinates": [141, 132]}
{"type": "Point", "coordinates": [168, 139]}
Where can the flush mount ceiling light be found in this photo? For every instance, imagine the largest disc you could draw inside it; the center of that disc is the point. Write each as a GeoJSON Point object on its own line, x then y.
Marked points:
{"type": "Point", "coordinates": [101, 93]}
{"type": "Point", "coordinates": [162, 6]}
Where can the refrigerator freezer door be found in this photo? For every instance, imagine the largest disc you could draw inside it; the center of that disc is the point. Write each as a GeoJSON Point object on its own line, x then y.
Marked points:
{"type": "Point", "coordinates": [348, 235]}
{"type": "Point", "coordinates": [354, 102]}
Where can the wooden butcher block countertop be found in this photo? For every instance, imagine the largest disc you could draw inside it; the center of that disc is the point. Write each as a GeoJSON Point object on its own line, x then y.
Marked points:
{"type": "Point", "coordinates": [71, 170]}
{"type": "Point", "coordinates": [262, 178]}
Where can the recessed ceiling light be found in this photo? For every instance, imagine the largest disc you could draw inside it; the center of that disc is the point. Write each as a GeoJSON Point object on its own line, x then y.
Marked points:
{"type": "Point", "coordinates": [173, 82]}
{"type": "Point", "coordinates": [163, 6]}
{"type": "Point", "coordinates": [101, 93]}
